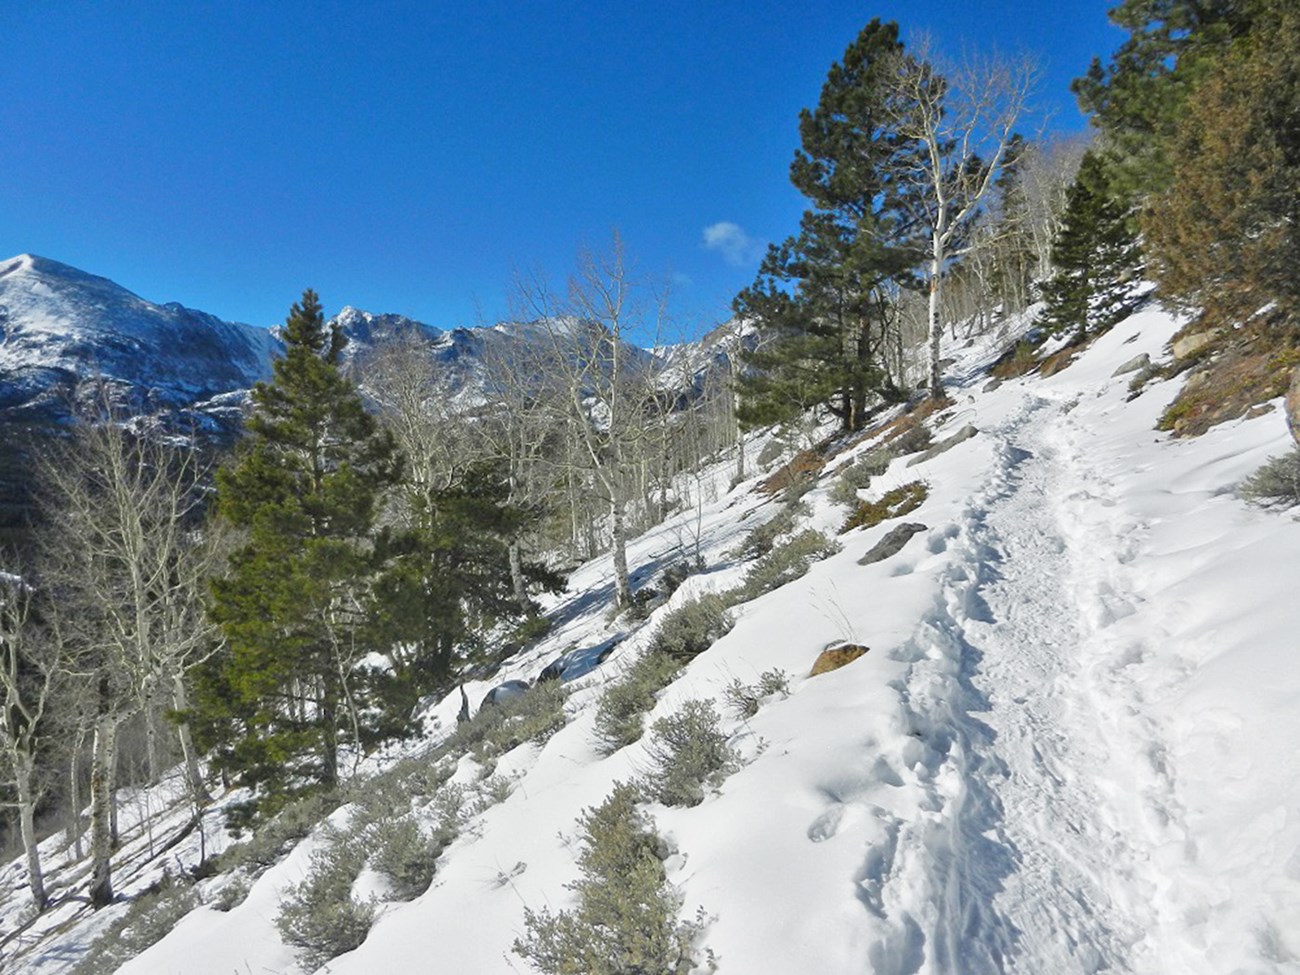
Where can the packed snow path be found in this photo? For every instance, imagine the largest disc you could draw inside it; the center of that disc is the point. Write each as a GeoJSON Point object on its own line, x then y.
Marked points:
{"type": "Point", "coordinates": [1034, 852]}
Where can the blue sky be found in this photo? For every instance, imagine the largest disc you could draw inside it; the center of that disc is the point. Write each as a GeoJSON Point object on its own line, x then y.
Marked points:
{"type": "Point", "coordinates": [408, 157]}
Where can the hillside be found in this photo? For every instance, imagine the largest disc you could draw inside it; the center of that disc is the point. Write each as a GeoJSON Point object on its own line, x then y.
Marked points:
{"type": "Point", "coordinates": [1068, 748]}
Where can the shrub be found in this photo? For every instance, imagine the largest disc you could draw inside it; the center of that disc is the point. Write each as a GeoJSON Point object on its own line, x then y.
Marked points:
{"type": "Point", "coordinates": [625, 921]}
{"type": "Point", "coordinates": [149, 918]}
{"type": "Point", "coordinates": [1019, 360]}
{"type": "Point", "coordinates": [761, 540]}
{"type": "Point", "coordinates": [783, 564]}
{"type": "Point", "coordinates": [857, 476]}
{"type": "Point", "coordinates": [693, 627]}
{"type": "Point", "coordinates": [913, 438]}
{"type": "Point", "coordinates": [232, 892]}
{"type": "Point", "coordinates": [894, 504]}
{"type": "Point", "coordinates": [319, 917]}
{"type": "Point", "coordinates": [618, 716]}
{"type": "Point", "coordinates": [277, 836]}
{"type": "Point", "coordinates": [534, 716]}
{"type": "Point", "coordinates": [745, 699]}
{"type": "Point", "coordinates": [1276, 483]}
{"type": "Point", "coordinates": [689, 753]}
{"type": "Point", "coordinates": [679, 572]}
{"type": "Point", "coordinates": [405, 854]}
{"type": "Point", "coordinates": [795, 478]}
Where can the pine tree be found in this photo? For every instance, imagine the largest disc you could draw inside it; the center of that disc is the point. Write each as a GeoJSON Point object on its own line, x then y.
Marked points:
{"type": "Point", "coordinates": [1094, 255]}
{"type": "Point", "coordinates": [822, 298]}
{"type": "Point", "coordinates": [1225, 236]}
{"type": "Point", "coordinates": [1140, 96]}
{"type": "Point", "coordinates": [446, 581]}
{"type": "Point", "coordinates": [304, 490]}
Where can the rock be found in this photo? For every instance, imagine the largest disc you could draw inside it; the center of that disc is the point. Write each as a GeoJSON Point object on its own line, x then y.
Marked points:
{"type": "Point", "coordinates": [1189, 345]}
{"type": "Point", "coordinates": [511, 690]}
{"type": "Point", "coordinates": [1293, 406]}
{"type": "Point", "coordinates": [892, 543]}
{"type": "Point", "coordinates": [463, 715]}
{"type": "Point", "coordinates": [1142, 361]}
{"type": "Point", "coordinates": [833, 658]}
{"type": "Point", "coordinates": [965, 433]}
{"type": "Point", "coordinates": [552, 671]}
{"type": "Point", "coordinates": [991, 385]}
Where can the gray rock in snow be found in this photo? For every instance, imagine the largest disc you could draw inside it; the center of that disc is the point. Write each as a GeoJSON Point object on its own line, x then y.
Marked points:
{"type": "Point", "coordinates": [965, 433]}
{"type": "Point", "coordinates": [511, 690]}
{"type": "Point", "coordinates": [892, 543]}
{"type": "Point", "coordinates": [1142, 361]}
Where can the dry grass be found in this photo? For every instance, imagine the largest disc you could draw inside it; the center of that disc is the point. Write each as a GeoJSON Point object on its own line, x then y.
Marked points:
{"type": "Point", "coordinates": [894, 504]}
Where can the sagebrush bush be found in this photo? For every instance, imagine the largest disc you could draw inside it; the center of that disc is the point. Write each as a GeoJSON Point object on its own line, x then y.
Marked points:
{"type": "Point", "coordinates": [857, 476]}
{"type": "Point", "coordinates": [405, 854]}
{"type": "Point", "coordinates": [783, 564]}
{"type": "Point", "coordinates": [320, 918]}
{"type": "Point", "coordinates": [761, 540]}
{"type": "Point", "coordinates": [914, 438]}
{"type": "Point", "coordinates": [625, 921]}
{"type": "Point", "coordinates": [619, 713]}
{"type": "Point", "coordinates": [149, 918]}
{"type": "Point", "coordinates": [1276, 483]}
{"type": "Point", "coordinates": [693, 627]}
{"type": "Point", "coordinates": [534, 716]}
{"type": "Point", "coordinates": [231, 893]}
{"type": "Point", "coordinates": [271, 841]}
{"type": "Point", "coordinates": [745, 699]}
{"type": "Point", "coordinates": [689, 753]}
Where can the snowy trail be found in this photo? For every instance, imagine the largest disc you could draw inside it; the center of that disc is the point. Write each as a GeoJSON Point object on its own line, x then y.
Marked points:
{"type": "Point", "coordinates": [1035, 847]}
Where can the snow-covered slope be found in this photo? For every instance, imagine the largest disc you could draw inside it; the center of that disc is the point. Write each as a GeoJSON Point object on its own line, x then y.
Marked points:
{"type": "Point", "coordinates": [59, 324]}
{"type": "Point", "coordinates": [1070, 749]}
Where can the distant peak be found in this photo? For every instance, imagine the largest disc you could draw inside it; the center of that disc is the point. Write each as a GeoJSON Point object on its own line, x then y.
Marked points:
{"type": "Point", "coordinates": [47, 268]}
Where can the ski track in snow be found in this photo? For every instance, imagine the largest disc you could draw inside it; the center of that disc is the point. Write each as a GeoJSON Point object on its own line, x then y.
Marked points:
{"type": "Point", "coordinates": [1031, 853]}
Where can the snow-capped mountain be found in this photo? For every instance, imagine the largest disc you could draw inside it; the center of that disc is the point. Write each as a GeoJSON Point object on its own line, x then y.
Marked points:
{"type": "Point", "coordinates": [60, 325]}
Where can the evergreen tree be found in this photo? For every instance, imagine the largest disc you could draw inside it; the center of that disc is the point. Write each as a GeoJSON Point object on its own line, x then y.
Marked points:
{"type": "Point", "coordinates": [822, 298]}
{"type": "Point", "coordinates": [1225, 236]}
{"type": "Point", "coordinates": [1141, 95]}
{"type": "Point", "coordinates": [446, 581]}
{"type": "Point", "coordinates": [1094, 255]}
{"type": "Point", "coordinates": [304, 490]}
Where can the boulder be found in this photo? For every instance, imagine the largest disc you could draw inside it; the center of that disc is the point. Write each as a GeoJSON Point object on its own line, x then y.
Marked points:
{"type": "Point", "coordinates": [965, 433]}
{"type": "Point", "coordinates": [511, 690]}
{"type": "Point", "coordinates": [1293, 406]}
{"type": "Point", "coordinates": [833, 658]}
{"type": "Point", "coordinates": [1189, 345]}
{"type": "Point", "coordinates": [1142, 361]}
{"type": "Point", "coordinates": [892, 543]}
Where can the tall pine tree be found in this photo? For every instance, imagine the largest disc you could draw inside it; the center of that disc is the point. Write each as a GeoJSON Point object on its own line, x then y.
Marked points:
{"type": "Point", "coordinates": [822, 299]}
{"type": "Point", "coordinates": [304, 491]}
{"type": "Point", "coordinates": [1095, 255]}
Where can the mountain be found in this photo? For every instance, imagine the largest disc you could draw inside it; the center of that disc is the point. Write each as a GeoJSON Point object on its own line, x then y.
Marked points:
{"type": "Point", "coordinates": [60, 325]}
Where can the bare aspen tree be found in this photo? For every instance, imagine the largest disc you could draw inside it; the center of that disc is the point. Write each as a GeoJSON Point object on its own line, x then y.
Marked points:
{"type": "Point", "coordinates": [605, 383]}
{"type": "Point", "coordinates": [31, 676]}
{"type": "Point", "coordinates": [127, 565]}
{"type": "Point", "coordinates": [963, 123]}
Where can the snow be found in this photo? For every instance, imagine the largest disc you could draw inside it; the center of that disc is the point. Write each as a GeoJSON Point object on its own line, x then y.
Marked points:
{"type": "Point", "coordinates": [1070, 749]}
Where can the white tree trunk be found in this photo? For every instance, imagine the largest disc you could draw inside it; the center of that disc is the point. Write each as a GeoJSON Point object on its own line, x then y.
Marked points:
{"type": "Point", "coordinates": [103, 760]}
{"type": "Point", "coordinates": [622, 584]}
{"type": "Point", "coordinates": [193, 774]}
{"type": "Point", "coordinates": [25, 768]}
{"type": "Point", "coordinates": [935, 325]}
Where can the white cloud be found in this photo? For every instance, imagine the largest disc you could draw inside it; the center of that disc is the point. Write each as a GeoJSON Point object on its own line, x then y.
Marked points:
{"type": "Point", "coordinates": [730, 240]}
